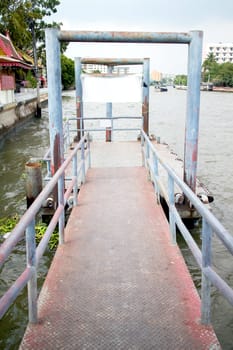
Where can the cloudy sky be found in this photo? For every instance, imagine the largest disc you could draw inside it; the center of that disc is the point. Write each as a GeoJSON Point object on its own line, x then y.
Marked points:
{"type": "Point", "coordinates": [214, 17]}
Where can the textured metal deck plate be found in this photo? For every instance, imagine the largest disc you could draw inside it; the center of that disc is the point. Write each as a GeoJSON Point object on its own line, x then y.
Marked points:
{"type": "Point", "coordinates": [117, 282]}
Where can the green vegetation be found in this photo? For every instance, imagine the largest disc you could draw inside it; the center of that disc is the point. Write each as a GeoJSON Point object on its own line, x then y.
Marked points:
{"type": "Point", "coordinates": [23, 19]}
{"type": "Point", "coordinates": [40, 231]}
{"type": "Point", "coordinates": [180, 79]}
{"type": "Point", "coordinates": [220, 74]}
{"type": "Point", "coordinates": [8, 224]}
{"type": "Point", "coordinates": [31, 80]}
{"type": "Point", "coordinates": [67, 68]}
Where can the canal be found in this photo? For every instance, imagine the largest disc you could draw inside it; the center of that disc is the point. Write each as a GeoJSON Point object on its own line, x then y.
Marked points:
{"type": "Point", "coordinates": [167, 120]}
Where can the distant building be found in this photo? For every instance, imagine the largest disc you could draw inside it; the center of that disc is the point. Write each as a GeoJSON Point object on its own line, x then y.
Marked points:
{"type": "Point", "coordinates": [10, 61]}
{"type": "Point", "coordinates": [223, 52]}
{"type": "Point", "coordinates": [155, 75]}
{"type": "Point", "coordinates": [93, 68]}
{"type": "Point", "coordinates": [169, 78]}
{"type": "Point", "coordinates": [101, 68]}
{"type": "Point", "coordinates": [130, 69]}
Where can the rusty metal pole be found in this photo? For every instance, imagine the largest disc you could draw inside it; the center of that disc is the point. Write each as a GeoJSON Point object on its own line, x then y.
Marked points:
{"type": "Point", "coordinates": [193, 109]}
{"type": "Point", "coordinates": [145, 95]}
{"type": "Point", "coordinates": [79, 98]}
{"type": "Point", "coordinates": [54, 98]}
{"type": "Point", "coordinates": [53, 60]}
{"type": "Point", "coordinates": [109, 130]}
{"type": "Point", "coordinates": [33, 181]}
{"type": "Point", "coordinates": [38, 105]}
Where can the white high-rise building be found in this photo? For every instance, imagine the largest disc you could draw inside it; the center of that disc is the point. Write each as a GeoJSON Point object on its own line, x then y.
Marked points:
{"type": "Point", "coordinates": [101, 68]}
{"type": "Point", "coordinates": [223, 52]}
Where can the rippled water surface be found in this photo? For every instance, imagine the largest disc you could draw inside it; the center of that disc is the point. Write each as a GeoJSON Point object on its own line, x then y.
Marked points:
{"type": "Point", "coordinates": [215, 170]}
{"type": "Point", "coordinates": [167, 120]}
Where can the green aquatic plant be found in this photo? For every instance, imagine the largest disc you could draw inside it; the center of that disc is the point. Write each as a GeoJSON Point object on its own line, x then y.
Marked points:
{"type": "Point", "coordinates": [7, 224]}
{"type": "Point", "coordinates": [40, 231]}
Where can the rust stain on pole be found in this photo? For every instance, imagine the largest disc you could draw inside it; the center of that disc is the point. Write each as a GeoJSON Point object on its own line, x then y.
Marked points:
{"type": "Point", "coordinates": [145, 113]}
{"type": "Point", "coordinates": [108, 134]}
{"type": "Point", "coordinates": [56, 163]}
{"type": "Point", "coordinates": [78, 114]}
{"type": "Point", "coordinates": [191, 161]}
{"type": "Point", "coordinates": [56, 159]}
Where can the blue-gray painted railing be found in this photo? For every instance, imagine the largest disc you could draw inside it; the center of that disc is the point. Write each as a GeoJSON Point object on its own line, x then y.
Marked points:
{"type": "Point", "coordinates": [210, 224]}
{"type": "Point", "coordinates": [72, 129]}
{"type": "Point", "coordinates": [27, 223]}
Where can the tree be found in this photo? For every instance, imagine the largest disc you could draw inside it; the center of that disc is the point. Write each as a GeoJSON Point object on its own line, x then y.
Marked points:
{"type": "Point", "coordinates": [225, 74]}
{"type": "Point", "coordinates": [219, 74]}
{"type": "Point", "coordinates": [67, 69]}
{"type": "Point", "coordinates": [209, 68]}
{"type": "Point", "coordinates": [18, 17]}
{"type": "Point", "coordinates": [209, 61]}
{"type": "Point", "coordinates": [180, 79]}
{"type": "Point", "coordinates": [25, 22]}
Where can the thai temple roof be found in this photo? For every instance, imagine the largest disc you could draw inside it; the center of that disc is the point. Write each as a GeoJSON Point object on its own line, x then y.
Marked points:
{"type": "Point", "coordinates": [9, 57]}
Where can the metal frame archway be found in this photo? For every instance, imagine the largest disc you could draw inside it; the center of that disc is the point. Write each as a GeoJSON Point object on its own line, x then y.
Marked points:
{"type": "Point", "coordinates": [194, 41]}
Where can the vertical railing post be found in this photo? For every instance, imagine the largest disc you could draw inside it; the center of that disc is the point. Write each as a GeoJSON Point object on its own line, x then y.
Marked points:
{"type": "Point", "coordinates": [156, 176]}
{"type": "Point", "coordinates": [61, 202]}
{"type": "Point", "coordinates": [53, 61]}
{"type": "Point", "coordinates": [83, 162]}
{"type": "Point", "coordinates": [48, 165]}
{"type": "Point", "coordinates": [145, 93]}
{"type": "Point", "coordinates": [109, 112]}
{"type": "Point", "coordinates": [68, 133]}
{"type": "Point", "coordinates": [79, 98]}
{"type": "Point", "coordinates": [193, 109]}
{"type": "Point", "coordinates": [54, 98]}
{"type": "Point", "coordinates": [147, 150]}
{"type": "Point", "coordinates": [171, 206]}
{"type": "Point", "coordinates": [31, 262]}
{"type": "Point", "coordinates": [206, 284]}
{"type": "Point", "coordinates": [75, 173]}
{"type": "Point", "coordinates": [89, 150]}
{"type": "Point", "coordinates": [142, 148]}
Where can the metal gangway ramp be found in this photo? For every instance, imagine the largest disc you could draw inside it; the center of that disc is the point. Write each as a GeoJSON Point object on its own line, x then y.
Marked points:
{"type": "Point", "coordinates": [118, 282]}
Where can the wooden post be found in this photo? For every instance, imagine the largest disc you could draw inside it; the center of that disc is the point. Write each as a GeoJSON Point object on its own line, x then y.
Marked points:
{"type": "Point", "coordinates": [33, 181]}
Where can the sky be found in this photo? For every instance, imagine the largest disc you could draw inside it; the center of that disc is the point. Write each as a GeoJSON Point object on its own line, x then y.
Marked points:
{"type": "Point", "coordinates": [213, 17]}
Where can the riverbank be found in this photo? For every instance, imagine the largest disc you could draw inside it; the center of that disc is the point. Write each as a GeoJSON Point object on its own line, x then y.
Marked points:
{"type": "Point", "coordinates": [14, 115]}
{"type": "Point", "coordinates": [215, 88]}
{"type": "Point", "coordinates": [222, 89]}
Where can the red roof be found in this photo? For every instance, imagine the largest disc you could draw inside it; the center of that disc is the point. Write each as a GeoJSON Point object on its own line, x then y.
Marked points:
{"type": "Point", "coordinates": [8, 54]}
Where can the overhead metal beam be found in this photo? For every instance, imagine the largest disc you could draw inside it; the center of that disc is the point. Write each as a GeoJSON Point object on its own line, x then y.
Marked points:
{"type": "Point", "coordinates": [124, 37]}
{"type": "Point", "coordinates": [112, 61]}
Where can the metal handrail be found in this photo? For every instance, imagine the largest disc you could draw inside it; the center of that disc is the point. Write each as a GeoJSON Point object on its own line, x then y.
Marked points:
{"type": "Point", "coordinates": [210, 225]}
{"type": "Point", "coordinates": [102, 129]}
{"type": "Point", "coordinates": [27, 223]}
{"type": "Point", "coordinates": [105, 118]}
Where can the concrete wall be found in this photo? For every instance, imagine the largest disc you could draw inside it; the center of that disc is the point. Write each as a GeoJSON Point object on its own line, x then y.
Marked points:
{"type": "Point", "coordinates": [15, 114]}
{"type": "Point", "coordinates": [7, 96]}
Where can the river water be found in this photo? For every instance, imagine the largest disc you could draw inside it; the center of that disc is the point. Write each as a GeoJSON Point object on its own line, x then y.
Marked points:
{"type": "Point", "coordinates": [167, 120]}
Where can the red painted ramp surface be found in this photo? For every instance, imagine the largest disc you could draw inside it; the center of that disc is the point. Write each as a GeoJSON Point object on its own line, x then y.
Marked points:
{"type": "Point", "coordinates": [117, 282]}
